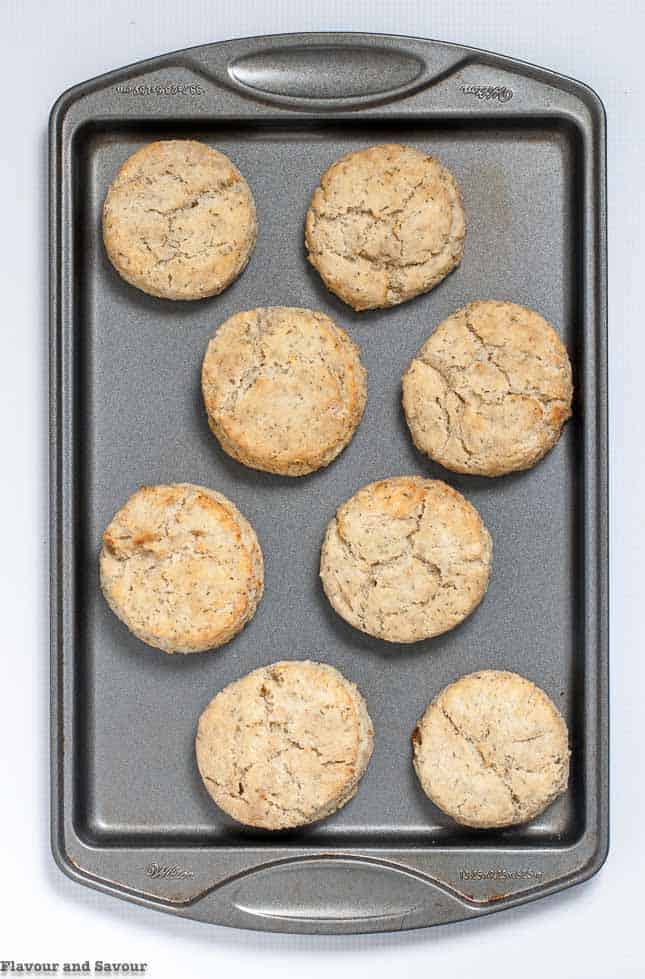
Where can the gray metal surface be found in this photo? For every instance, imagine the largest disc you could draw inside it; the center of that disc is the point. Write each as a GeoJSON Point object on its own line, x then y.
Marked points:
{"type": "Point", "coordinates": [129, 813]}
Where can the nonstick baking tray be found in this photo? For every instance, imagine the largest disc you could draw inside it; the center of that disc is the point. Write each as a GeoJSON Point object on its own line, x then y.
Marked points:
{"type": "Point", "coordinates": [130, 815]}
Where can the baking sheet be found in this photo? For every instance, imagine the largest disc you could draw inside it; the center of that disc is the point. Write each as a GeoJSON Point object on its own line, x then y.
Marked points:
{"type": "Point", "coordinates": [130, 812]}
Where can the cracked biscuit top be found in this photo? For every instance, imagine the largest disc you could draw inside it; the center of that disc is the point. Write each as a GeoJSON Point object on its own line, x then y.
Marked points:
{"type": "Point", "coordinates": [179, 220]}
{"type": "Point", "coordinates": [284, 389]}
{"type": "Point", "coordinates": [490, 390]}
{"type": "Point", "coordinates": [386, 224]}
{"type": "Point", "coordinates": [406, 559]}
{"type": "Point", "coordinates": [285, 745]}
{"type": "Point", "coordinates": [181, 567]}
{"type": "Point", "coordinates": [492, 750]}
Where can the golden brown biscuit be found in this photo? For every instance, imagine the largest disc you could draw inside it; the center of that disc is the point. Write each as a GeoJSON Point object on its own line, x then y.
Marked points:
{"type": "Point", "coordinates": [284, 389]}
{"type": "Point", "coordinates": [490, 390]}
{"type": "Point", "coordinates": [492, 750]}
{"type": "Point", "coordinates": [405, 559]}
{"type": "Point", "coordinates": [386, 224]}
{"type": "Point", "coordinates": [285, 745]}
{"type": "Point", "coordinates": [179, 220]}
{"type": "Point", "coordinates": [181, 567]}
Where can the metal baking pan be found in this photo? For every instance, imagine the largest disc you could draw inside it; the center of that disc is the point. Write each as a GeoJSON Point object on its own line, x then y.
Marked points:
{"type": "Point", "coordinates": [130, 816]}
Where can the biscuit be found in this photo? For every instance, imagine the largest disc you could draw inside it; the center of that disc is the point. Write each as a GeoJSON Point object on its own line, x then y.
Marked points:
{"type": "Point", "coordinates": [492, 750]}
{"type": "Point", "coordinates": [179, 220]}
{"type": "Point", "coordinates": [490, 390]}
{"type": "Point", "coordinates": [405, 559]}
{"type": "Point", "coordinates": [386, 224]}
{"type": "Point", "coordinates": [181, 567]}
{"type": "Point", "coordinates": [285, 745]}
{"type": "Point", "coordinates": [284, 389]}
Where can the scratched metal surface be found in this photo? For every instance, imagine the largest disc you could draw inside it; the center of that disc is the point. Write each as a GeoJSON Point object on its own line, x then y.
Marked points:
{"type": "Point", "coordinates": [132, 405]}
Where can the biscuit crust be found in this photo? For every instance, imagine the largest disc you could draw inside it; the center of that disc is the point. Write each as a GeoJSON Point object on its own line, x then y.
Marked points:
{"type": "Point", "coordinates": [489, 392]}
{"type": "Point", "coordinates": [405, 559]}
{"type": "Point", "coordinates": [385, 225]}
{"type": "Point", "coordinates": [492, 750]}
{"type": "Point", "coordinates": [284, 389]}
{"type": "Point", "coordinates": [179, 220]}
{"type": "Point", "coordinates": [285, 745]}
{"type": "Point", "coordinates": [181, 567]}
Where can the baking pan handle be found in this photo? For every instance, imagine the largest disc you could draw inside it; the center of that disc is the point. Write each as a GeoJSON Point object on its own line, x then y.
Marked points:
{"type": "Point", "coordinates": [331, 894]}
{"type": "Point", "coordinates": [322, 71]}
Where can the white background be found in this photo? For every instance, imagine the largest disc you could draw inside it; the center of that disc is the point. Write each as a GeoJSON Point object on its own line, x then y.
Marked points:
{"type": "Point", "coordinates": [593, 931]}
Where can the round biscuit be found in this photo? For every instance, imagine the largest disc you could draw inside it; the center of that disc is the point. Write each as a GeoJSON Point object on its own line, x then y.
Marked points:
{"type": "Point", "coordinates": [405, 559]}
{"type": "Point", "coordinates": [284, 389]}
{"type": "Point", "coordinates": [489, 392]}
{"type": "Point", "coordinates": [385, 225]}
{"type": "Point", "coordinates": [285, 745]}
{"type": "Point", "coordinates": [181, 567]}
{"type": "Point", "coordinates": [492, 750]}
{"type": "Point", "coordinates": [179, 220]}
